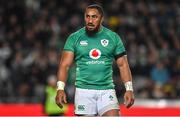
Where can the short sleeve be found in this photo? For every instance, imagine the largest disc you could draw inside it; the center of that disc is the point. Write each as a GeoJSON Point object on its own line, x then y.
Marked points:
{"type": "Point", "coordinates": [70, 42]}
{"type": "Point", "coordinates": [119, 47]}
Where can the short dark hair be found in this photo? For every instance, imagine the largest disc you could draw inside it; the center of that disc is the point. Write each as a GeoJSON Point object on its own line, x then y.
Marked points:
{"type": "Point", "coordinates": [96, 6]}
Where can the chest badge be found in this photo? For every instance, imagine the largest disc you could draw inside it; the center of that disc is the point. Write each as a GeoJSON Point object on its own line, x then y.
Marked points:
{"type": "Point", "coordinates": [104, 42]}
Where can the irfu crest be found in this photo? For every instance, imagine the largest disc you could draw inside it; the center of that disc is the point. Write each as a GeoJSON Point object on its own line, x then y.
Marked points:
{"type": "Point", "coordinates": [104, 42]}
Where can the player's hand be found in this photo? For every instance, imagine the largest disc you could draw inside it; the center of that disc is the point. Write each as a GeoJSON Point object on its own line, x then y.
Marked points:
{"type": "Point", "coordinates": [129, 98]}
{"type": "Point", "coordinates": [60, 98]}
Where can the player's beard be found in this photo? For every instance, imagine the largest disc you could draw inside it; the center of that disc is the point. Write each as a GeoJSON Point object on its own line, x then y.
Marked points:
{"type": "Point", "coordinates": [92, 32]}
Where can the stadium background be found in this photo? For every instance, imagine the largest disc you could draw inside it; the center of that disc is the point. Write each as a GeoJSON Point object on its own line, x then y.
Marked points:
{"type": "Point", "coordinates": [33, 32]}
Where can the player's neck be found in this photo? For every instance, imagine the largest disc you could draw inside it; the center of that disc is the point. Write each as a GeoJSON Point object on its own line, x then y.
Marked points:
{"type": "Point", "coordinates": [94, 32]}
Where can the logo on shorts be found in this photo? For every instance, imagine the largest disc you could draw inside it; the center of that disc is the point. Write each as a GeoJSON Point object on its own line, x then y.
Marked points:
{"type": "Point", "coordinates": [111, 97]}
{"type": "Point", "coordinates": [95, 53]}
{"type": "Point", "coordinates": [81, 107]}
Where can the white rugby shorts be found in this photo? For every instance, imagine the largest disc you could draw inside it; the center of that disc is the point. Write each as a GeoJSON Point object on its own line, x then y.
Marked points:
{"type": "Point", "coordinates": [95, 102]}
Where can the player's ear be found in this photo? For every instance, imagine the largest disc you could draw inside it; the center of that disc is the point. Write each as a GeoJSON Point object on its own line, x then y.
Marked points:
{"type": "Point", "coordinates": [102, 19]}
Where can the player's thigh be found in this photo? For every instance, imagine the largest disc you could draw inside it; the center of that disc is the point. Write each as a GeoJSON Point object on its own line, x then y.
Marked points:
{"type": "Point", "coordinates": [85, 104]}
{"type": "Point", "coordinates": [107, 102]}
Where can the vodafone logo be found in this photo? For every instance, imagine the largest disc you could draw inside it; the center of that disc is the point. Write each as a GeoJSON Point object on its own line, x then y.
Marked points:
{"type": "Point", "coordinates": [95, 53]}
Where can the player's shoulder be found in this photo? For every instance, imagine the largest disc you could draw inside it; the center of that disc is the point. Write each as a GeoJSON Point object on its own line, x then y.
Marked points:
{"type": "Point", "coordinates": [76, 35]}
{"type": "Point", "coordinates": [78, 32]}
{"type": "Point", "coordinates": [110, 32]}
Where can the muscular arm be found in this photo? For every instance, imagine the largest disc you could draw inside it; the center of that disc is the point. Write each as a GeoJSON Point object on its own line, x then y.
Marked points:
{"type": "Point", "coordinates": [64, 64]}
{"type": "Point", "coordinates": [126, 76]}
{"type": "Point", "coordinates": [124, 69]}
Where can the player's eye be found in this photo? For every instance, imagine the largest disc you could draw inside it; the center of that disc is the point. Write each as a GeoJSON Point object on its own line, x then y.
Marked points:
{"type": "Point", "coordinates": [87, 16]}
{"type": "Point", "coordinates": [94, 16]}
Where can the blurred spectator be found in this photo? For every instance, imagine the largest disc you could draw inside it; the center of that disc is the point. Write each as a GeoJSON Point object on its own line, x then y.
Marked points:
{"type": "Point", "coordinates": [50, 107]}
{"type": "Point", "coordinates": [159, 74]}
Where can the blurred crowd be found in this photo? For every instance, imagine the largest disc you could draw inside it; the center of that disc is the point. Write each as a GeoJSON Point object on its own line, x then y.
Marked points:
{"type": "Point", "coordinates": [33, 32]}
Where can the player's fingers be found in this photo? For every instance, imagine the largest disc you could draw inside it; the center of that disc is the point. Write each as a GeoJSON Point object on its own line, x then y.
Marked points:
{"type": "Point", "coordinates": [126, 99]}
{"type": "Point", "coordinates": [59, 101]}
{"type": "Point", "coordinates": [130, 103]}
{"type": "Point", "coordinates": [60, 105]}
{"type": "Point", "coordinates": [64, 98]}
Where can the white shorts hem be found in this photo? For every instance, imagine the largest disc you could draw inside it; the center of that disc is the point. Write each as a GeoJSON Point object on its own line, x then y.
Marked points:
{"type": "Point", "coordinates": [107, 108]}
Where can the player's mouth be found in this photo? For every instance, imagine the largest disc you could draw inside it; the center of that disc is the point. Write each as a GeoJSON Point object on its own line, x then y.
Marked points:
{"type": "Point", "coordinates": [90, 26]}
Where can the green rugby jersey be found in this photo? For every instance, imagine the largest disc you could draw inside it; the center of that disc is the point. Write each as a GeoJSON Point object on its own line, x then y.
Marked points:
{"type": "Point", "coordinates": [94, 57]}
